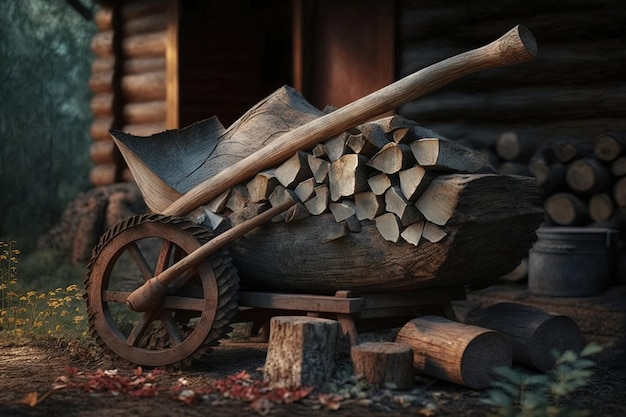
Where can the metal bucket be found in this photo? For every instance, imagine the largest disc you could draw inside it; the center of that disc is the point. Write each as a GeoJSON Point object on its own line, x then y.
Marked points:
{"type": "Point", "coordinates": [571, 261]}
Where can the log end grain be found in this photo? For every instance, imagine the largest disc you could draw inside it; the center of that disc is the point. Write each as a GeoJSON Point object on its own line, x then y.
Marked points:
{"type": "Point", "coordinates": [384, 363]}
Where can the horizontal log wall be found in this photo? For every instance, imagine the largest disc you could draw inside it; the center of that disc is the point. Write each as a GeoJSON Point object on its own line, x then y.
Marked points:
{"type": "Point", "coordinates": [574, 88]}
{"type": "Point", "coordinates": [129, 80]}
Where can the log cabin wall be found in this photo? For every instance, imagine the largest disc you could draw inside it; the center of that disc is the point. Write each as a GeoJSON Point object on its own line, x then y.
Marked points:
{"type": "Point", "coordinates": [574, 89]}
{"type": "Point", "coordinates": [133, 60]}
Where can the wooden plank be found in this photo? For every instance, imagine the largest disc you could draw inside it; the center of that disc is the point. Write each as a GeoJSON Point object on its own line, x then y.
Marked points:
{"type": "Point", "coordinates": [301, 302]}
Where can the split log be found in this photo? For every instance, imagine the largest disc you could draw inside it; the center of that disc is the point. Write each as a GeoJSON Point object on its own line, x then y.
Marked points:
{"type": "Point", "coordinates": [432, 232]}
{"type": "Point", "coordinates": [319, 167]}
{"type": "Point", "coordinates": [455, 352]}
{"type": "Point", "coordinates": [294, 170]}
{"type": "Point", "coordinates": [347, 176]}
{"type": "Point", "coordinates": [401, 207]}
{"type": "Point", "coordinates": [448, 156]}
{"type": "Point", "coordinates": [335, 147]}
{"type": "Point", "coordinates": [391, 158]}
{"type": "Point", "coordinates": [389, 226]}
{"type": "Point", "coordinates": [368, 205]}
{"type": "Point", "coordinates": [262, 185]}
{"type": "Point", "coordinates": [587, 176]}
{"type": "Point", "coordinates": [343, 210]}
{"type": "Point", "coordinates": [305, 190]}
{"type": "Point", "coordinates": [365, 145]}
{"type": "Point", "coordinates": [375, 138]}
{"type": "Point", "coordinates": [414, 232]}
{"type": "Point", "coordinates": [414, 181]}
{"type": "Point", "coordinates": [301, 351]}
{"type": "Point", "coordinates": [383, 363]}
{"type": "Point", "coordinates": [533, 333]}
{"type": "Point", "coordinates": [380, 183]}
{"type": "Point", "coordinates": [318, 204]}
{"type": "Point", "coordinates": [608, 146]}
{"type": "Point", "coordinates": [566, 209]}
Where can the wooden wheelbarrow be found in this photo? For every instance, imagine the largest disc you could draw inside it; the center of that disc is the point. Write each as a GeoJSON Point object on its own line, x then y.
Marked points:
{"type": "Point", "coordinates": [162, 289]}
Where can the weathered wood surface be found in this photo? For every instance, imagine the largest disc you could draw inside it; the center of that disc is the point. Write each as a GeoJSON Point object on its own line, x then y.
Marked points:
{"type": "Point", "coordinates": [301, 351]}
{"type": "Point", "coordinates": [490, 208]}
{"type": "Point", "coordinates": [532, 332]}
{"type": "Point", "coordinates": [384, 362]}
{"type": "Point", "coordinates": [455, 352]}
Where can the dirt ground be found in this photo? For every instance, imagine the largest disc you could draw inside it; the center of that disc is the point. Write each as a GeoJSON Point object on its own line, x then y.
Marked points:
{"type": "Point", "coordinates": [34, 367]}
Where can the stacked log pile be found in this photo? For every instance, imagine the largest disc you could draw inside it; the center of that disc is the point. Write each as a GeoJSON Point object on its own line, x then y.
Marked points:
{"type": "Point", "coordinates": [584, 183]}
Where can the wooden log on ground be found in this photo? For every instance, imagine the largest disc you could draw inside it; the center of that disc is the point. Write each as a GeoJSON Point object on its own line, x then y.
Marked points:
{"type": "Point", "coordinates": [587, 176]}
{"type": "Point", "coordinates": [455, 352]}
{"type": "Point", "coordinates": [383, 363]}
{"type": "Point", "coordinates": [532, 332]}
{"type": "Point", "coordinates": [300, 352]}
{"type": "Point", "coordinates": [566, 209]}
{"type": "Point", "coordinates": [609, 145]}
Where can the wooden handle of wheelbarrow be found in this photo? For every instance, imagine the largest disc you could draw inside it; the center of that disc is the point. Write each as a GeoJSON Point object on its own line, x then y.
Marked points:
{"type": "Point", "coordinates": [150, 295]}
{"type": "Point", "coordinates": [517, 45]}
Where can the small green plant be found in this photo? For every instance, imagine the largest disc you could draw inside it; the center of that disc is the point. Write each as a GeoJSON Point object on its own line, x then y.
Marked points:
{"type": "Point", "coordinates": [520, 394]}
{"type": "Point", "coordinates": [25, 315]}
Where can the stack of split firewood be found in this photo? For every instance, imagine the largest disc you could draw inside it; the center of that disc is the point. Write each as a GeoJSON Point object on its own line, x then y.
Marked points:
{"type": "Point", "coordinates": [385, 171]}
{"type": "Point", "coordinates": [584, 183]}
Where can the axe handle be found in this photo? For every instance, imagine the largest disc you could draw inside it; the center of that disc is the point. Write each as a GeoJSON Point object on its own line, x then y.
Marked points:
{"type": "Point", "coordinates": [515, 46]}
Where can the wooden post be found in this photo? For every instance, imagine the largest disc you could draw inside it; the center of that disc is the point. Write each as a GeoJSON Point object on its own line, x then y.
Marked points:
{"type": "Point", "coordinates": [301, 351]}
{"type": "Point", "coordinates": [532, 332]}
{"type": "Point", "coordinates": [384, 362]}
{"type": "Point", "coordinates": [455, 352]}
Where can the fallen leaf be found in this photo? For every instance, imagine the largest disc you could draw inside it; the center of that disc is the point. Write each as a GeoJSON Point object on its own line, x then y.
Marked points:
{"type": "Point", "coordinates": [30, 399]}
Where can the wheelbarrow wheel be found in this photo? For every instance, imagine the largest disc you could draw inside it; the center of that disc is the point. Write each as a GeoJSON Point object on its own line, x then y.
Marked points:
{"type": "Point", "coordinates": [196, 310]}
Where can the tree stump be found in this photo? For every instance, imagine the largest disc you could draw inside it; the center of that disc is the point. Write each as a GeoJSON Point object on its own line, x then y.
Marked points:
{"type": "Point", "coordinates": [532, 332]}
{"type": "Point", "coordinates": [455, 352]}
{"type": "Point", "coordinates": [384, 362]}
{"type": "Point", "coordinates": [301, 351]}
